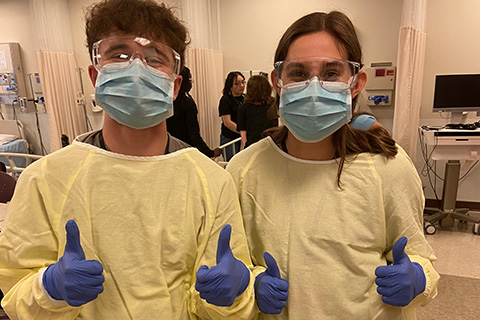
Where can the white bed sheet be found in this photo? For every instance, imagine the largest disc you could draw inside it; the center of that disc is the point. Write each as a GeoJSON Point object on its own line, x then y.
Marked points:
{"type": "Point", "coordinates": [15, 146]}
{"type": "Point", "coordinates": [12, 140]}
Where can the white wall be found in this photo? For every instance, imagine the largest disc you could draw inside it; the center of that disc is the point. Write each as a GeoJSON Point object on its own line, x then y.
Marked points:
{"type": "Point", "coordinates": [251, 29]}
{"type": "Point", "coordinates": [453, 45]}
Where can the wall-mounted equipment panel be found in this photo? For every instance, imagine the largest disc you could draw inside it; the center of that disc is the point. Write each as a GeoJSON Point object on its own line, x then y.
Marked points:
{"type": "Point", "coordinates": [380, 84]}
{"type": "Point", "coordinates": [12, 78]}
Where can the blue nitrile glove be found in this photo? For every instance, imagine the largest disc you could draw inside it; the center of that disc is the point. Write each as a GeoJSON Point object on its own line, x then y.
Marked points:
{"type": "Point", "coordinates": [402, 281]}
{"type": "Point", "coordinates": [221, 284]}
{"type": "Point", "coordinates": [271, 291]}
{"type": "Point", "coordinates": [72, 278]}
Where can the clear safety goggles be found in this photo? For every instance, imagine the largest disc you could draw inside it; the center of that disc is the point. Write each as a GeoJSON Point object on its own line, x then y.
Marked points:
{"type": "Point", "coordinates": [119, 52]}
{"type": "Point", "coordinates": [334, 75]}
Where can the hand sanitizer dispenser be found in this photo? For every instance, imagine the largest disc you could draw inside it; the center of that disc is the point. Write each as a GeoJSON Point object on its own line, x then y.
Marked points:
{"type": "Point", "coordinates": [380, 85]}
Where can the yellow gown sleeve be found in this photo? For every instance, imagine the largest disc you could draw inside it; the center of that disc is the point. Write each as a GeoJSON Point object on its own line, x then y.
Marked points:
{"type": "Point", "coordinates": [26, 250]}
{"type": "Point", "coordinates": [404, 204]}
{"type": "Point", "coordinates": [224, 209]}
{"type": "Point", "coordinates": [432, 277]}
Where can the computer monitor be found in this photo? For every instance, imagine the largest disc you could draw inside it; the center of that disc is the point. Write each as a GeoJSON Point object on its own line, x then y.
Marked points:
{"type": "Point", "coordinates": [457, 93]}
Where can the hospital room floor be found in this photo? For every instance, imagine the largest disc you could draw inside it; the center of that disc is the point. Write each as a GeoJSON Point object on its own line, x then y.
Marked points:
{"type": "Point", "coordinates": [458, 263]}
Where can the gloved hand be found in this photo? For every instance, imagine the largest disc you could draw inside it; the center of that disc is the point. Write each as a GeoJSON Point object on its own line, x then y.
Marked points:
{"type": "Point", "coordinates": [271, 291]}
{"type": "Point", "coordinates": [72, 278]}
{"type": "Point", "coordinates": [402, 281]}
{"type": "Point", "coordinates": [221, 284]}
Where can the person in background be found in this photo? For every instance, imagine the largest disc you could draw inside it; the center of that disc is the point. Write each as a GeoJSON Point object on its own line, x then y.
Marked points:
{"type": "Point", "coordinates": [340, 209]}
{"type": "Point", "coordinates": [253, 117]}
{"type": "Point", "coordinates": [65, 140]}
{"type": "Point", "coordinates": [127, 223]}
{"type": "Point", "coordinates": [228, 106]}
{"type": "Point", "coordinates": [184, 122]}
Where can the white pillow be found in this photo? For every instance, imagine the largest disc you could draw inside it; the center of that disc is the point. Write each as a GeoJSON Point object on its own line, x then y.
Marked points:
{"type": "Point", "coordinates": [5, 138]}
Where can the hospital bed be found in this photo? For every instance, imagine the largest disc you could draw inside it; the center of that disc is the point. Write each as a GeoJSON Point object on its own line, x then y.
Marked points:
{"type": "Point", "coordinates": [12, 159]}
{"type": "Point", "coordinates": [14, 148]}
{"type": "Point", "coordinates": [221, 159]}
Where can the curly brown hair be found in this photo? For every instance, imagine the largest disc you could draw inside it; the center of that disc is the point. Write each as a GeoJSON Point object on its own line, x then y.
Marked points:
{"type": "Point", "coordinates": [144, 18]}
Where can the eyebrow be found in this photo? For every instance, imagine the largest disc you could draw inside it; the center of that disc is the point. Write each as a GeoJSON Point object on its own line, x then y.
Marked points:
{"type": "Point", "coordinates": [295, 65]}
{"type": "Point", "coordinates": [333, 64]}
{"type": "Point", "coordinates": [163, 54]}
{"type": "Point", "coordinates": [119, 46]}
{"type": "Point", "coordinates": [115, 47]}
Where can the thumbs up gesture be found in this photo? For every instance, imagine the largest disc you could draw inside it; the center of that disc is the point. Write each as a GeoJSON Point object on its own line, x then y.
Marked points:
{"type": "Point", "coordinates": [221, 284]}
{"type": "Point", "coordinates": [271, 291]}
{"type": "Point", "coordinates": [402, 281]}
{"type": "Point", "coordinates": [72, 278]}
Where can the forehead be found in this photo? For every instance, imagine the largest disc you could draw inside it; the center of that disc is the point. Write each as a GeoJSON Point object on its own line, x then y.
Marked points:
{"type": "Point", "coordinates": [238, 78]}
{"type": "Point", "coordinates": [124, 34]}
{"type": "Point", "coordinates": [318, 44]}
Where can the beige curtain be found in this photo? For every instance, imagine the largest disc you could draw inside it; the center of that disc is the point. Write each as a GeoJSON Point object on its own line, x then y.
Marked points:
{"type": "Point", "coordinates": [206, 66]}
{"type": "Point", "coordinates": [56, 64]}
{"type": "Point", "coordinates": [59, 82]}
{"type": "Point", "coordinates": [411, 56]}
{"type": "Point", "coordinates": [205, 60]}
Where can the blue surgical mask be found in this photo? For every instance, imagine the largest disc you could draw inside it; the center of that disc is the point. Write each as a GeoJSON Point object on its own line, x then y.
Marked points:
{"type": "Point", "coordinates": [135, 96]}
{"type": "Point", "coordinates": [312, 113]}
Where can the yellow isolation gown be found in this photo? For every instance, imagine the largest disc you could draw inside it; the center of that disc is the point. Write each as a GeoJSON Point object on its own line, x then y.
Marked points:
{"type": "Point", "coordinates": [151, 222]}
{"type": "Point", "coordinates": [328, 241]}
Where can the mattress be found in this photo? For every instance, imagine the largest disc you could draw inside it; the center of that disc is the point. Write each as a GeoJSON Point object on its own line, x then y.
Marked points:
{"type": "Point", "coordinates": [14, 146]}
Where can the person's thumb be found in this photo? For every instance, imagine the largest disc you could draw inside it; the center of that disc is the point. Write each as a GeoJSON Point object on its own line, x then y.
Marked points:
{"type": "Point", "coordinates": [272, 267]}
{"type": "Point", "coordinates": [202, 274]}
{"type": "Point", "coordinates": [223, 247]}
{"type": "Point", "coordinates": [73, 246]}
{"type": "Point", "coordinates": [398, 251]}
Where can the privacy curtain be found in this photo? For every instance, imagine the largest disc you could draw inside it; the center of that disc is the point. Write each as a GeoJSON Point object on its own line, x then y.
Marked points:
{"type": "Point", "coordinates": [206, 66]}
{"type": "Point", "coordinates": [205, 61]}
{"type": "Point", "coordinates": [411, 56]}
{"type": "Point", "coordinates": [57, 69]}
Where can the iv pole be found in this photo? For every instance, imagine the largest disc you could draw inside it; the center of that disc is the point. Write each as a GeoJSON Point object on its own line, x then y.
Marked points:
{"type": "Point", "coordinates": [81, 99]}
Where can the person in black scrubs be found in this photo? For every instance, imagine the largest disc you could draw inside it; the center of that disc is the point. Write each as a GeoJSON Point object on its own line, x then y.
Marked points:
{"type": "Point", "coordinates": [184, 122]}
{"type": "Point", "coordinates": [254, 116]}
{"type": "Point", "coordinates": [228, 108]}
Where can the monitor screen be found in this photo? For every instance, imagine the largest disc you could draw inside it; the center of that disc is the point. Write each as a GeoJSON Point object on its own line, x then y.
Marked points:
{"type": "Point", "coordinates": [457, 93]}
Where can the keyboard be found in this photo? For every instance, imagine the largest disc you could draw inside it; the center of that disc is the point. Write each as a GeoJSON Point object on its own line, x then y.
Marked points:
{"type": "Point", "coordinates": [463, 126]}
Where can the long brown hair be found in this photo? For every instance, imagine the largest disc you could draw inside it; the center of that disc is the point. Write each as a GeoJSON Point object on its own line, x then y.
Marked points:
{"type": "Point", "coordinates": [347, 140]}
{"type": "Point", "coordinates": [259, 91]}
